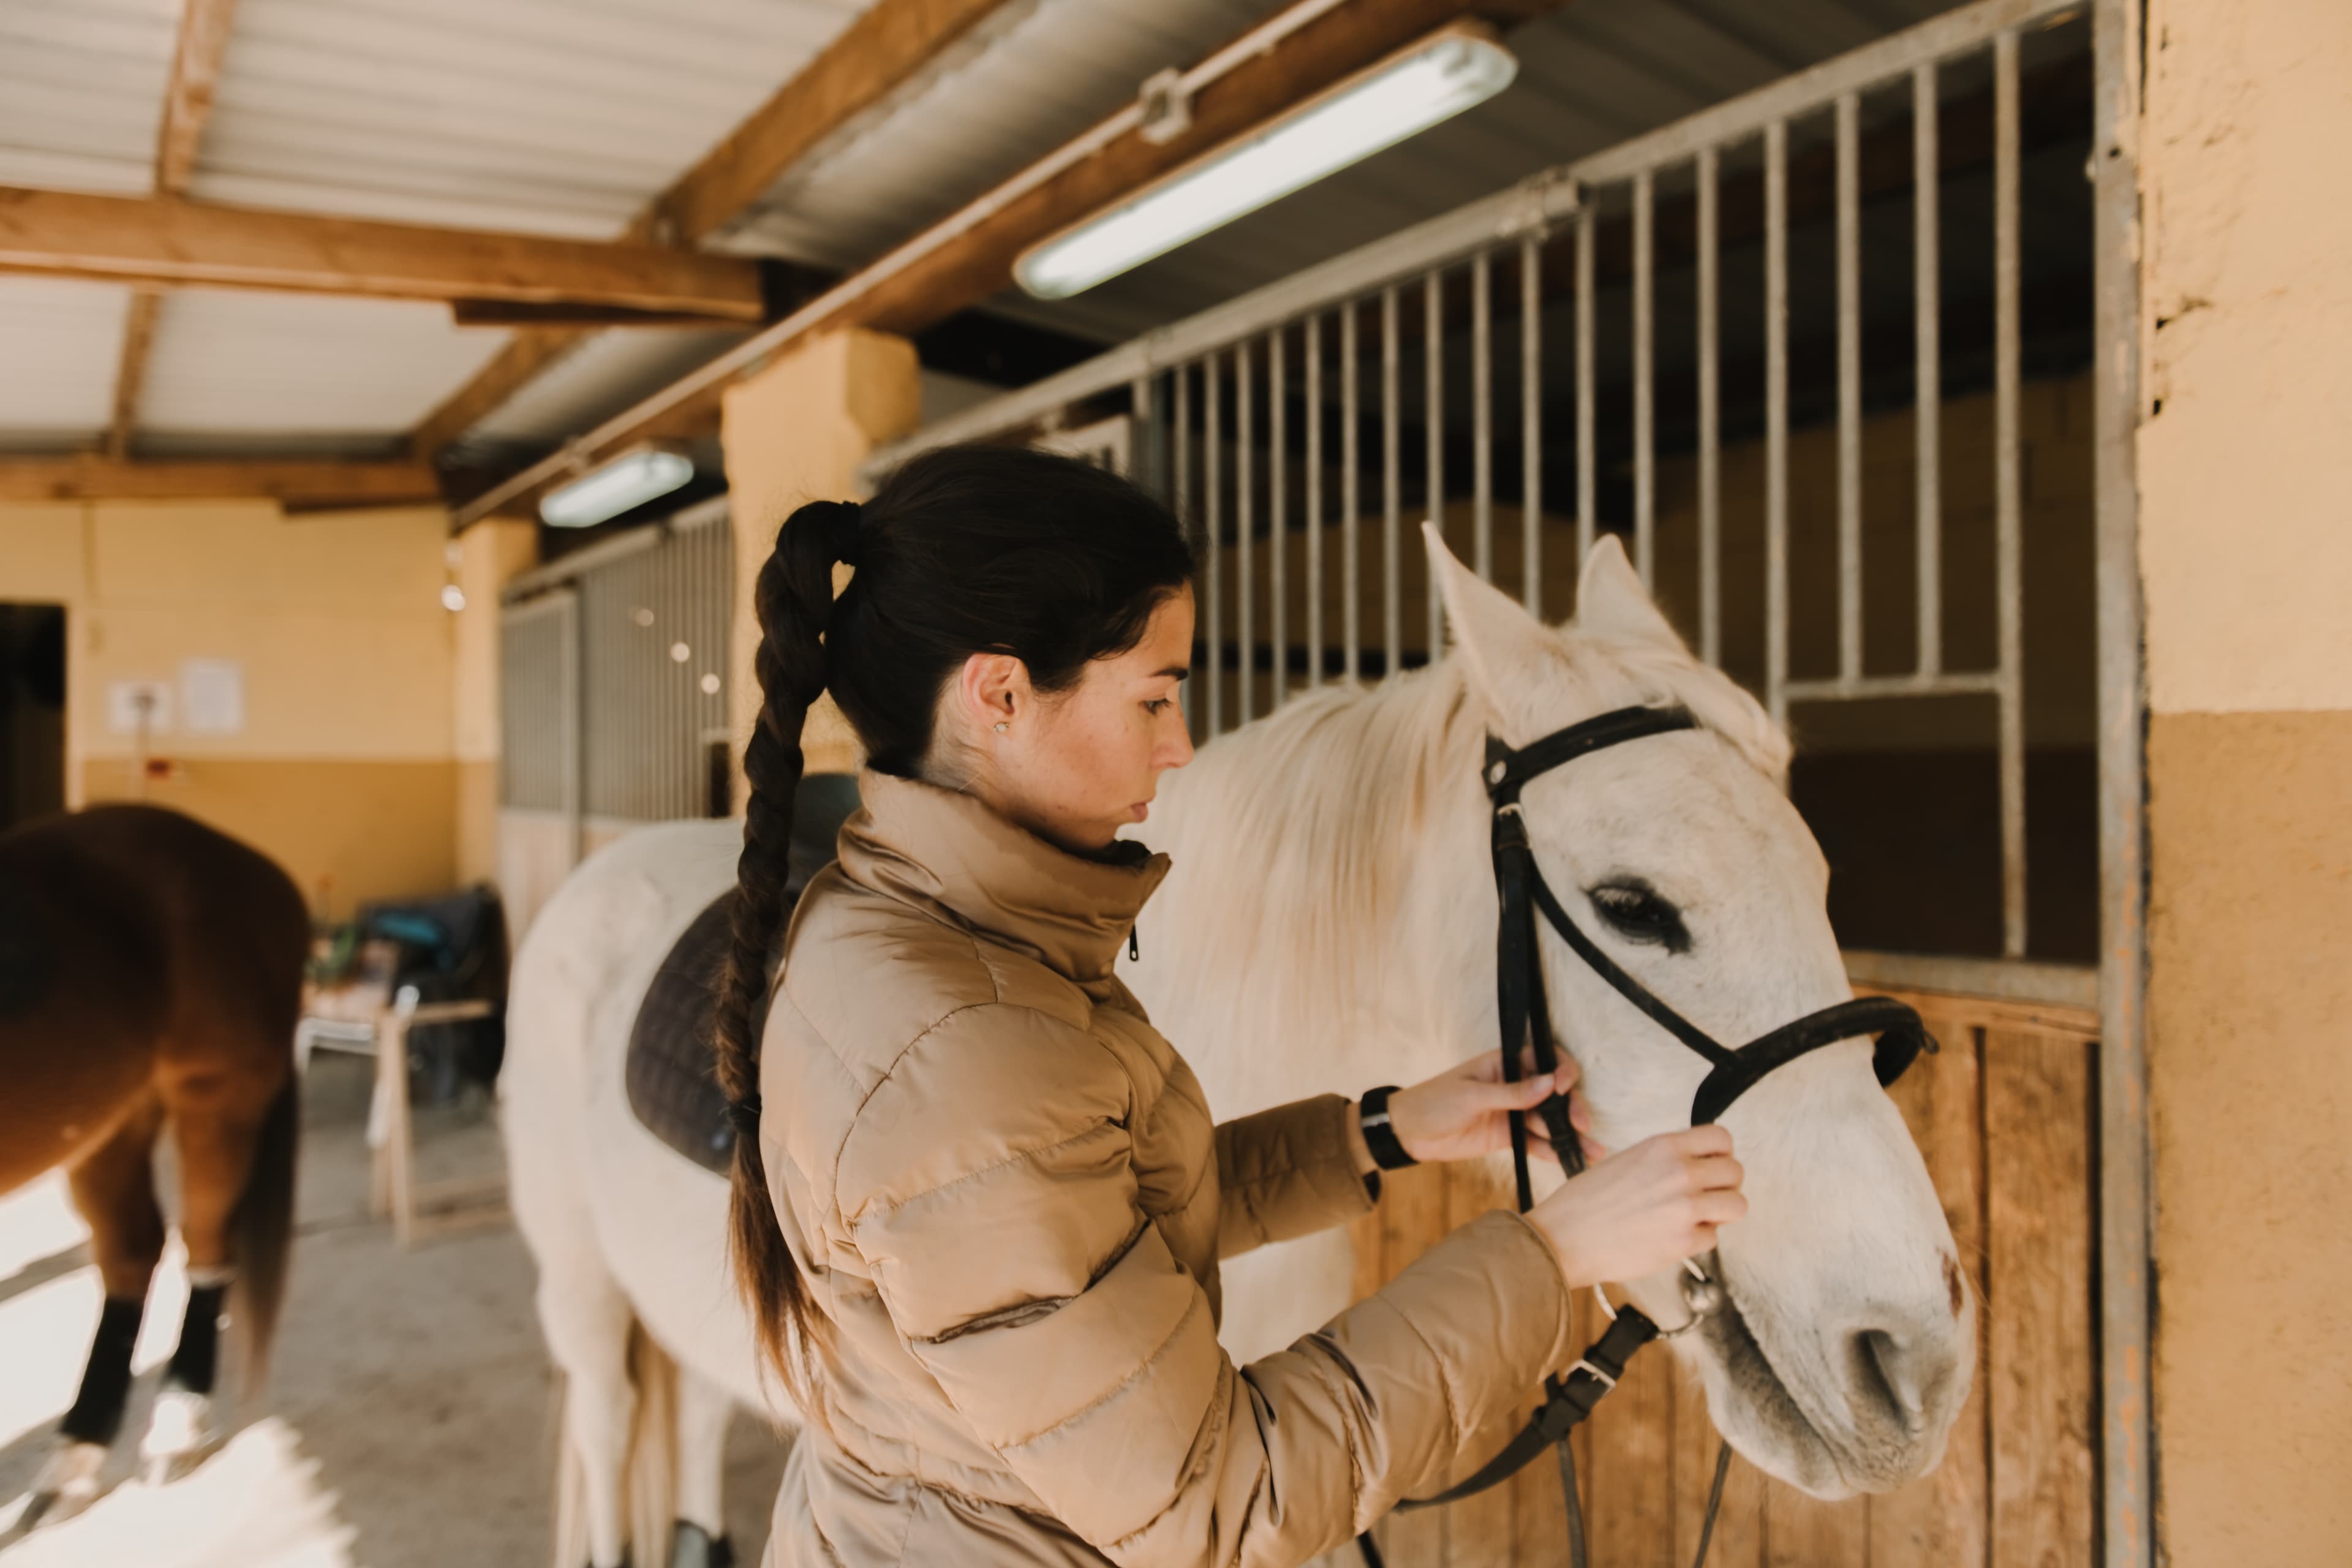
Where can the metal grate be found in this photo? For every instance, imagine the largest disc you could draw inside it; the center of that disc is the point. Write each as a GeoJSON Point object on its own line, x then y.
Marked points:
{"type": "Point", "coordinates": [1560, 327]}
{"type": "Point", "coordinates": [643, 697]}
{"type": "Point", "coordinates": [539, 680]}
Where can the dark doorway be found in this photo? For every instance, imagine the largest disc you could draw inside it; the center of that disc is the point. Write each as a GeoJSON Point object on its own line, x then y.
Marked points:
{"type": "Point", "coordinates": [32, 712]}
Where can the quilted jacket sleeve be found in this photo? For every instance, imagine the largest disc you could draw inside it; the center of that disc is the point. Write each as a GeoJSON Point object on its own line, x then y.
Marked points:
{"type": "Point", "coordinates": [1287, 1172]}
{"type": "Point", "coordinates": [1020, 1270]}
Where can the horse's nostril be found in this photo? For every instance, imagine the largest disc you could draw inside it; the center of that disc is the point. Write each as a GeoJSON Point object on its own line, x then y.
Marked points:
{"type": "Point", "coordinates": [1887, 1362]}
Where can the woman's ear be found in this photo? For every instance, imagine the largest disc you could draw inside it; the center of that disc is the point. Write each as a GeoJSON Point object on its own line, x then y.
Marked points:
{"type": "Point", "coordinates": [992, 688]}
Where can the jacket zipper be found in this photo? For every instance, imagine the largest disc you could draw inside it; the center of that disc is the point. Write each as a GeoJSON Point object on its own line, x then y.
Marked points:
{"type": "Point", "coordinates": [1134, 954]}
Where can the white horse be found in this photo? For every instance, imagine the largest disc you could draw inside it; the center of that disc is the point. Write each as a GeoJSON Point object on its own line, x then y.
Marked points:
{"type": "Point", "coordinates": [1330, 925]}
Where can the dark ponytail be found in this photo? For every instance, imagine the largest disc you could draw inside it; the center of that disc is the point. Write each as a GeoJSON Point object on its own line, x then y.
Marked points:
{"type": "Point", "coordinates": [964, 549]}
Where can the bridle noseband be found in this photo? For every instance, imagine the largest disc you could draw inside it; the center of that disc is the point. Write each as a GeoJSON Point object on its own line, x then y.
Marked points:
{"type": "Point", "coordinates": [1525, 1020]}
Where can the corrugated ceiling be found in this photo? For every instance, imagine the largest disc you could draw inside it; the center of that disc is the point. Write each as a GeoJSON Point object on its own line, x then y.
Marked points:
{"type": "Point", "coordinates": [564, 117]}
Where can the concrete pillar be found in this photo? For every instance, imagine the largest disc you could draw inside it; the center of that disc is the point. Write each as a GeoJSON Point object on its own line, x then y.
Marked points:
{"type": "Point", "coordinates": [2246, 555]}
{"type": "Point", "coordinates": [482, 560]}
{"type": "Point", "coordinates": [796, 433]}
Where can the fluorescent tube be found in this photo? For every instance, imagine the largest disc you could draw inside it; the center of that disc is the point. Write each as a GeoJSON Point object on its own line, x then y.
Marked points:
{"type": "Point", "coordinates": [630, 479]}
{"type": "Point", "coordinates": [1413, 89]}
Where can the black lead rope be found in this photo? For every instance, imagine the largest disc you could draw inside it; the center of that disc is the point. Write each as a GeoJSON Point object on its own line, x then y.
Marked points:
{"type": "Point", "coordinates": [1568, 1401]}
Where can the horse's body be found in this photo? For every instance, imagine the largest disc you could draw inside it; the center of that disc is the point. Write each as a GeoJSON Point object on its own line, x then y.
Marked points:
{"type": "Point", "coordinates": [150, 974]}
{"type": "Point", "coordinates": [1329, 925]}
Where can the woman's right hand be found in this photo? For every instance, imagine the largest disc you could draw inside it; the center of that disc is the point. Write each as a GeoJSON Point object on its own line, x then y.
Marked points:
{"type": "Point", "coordinates": [1645, 1209]}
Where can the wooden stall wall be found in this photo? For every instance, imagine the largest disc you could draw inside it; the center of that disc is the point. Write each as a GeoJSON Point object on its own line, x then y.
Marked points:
{"type": "Point", "coordinates": [2003, 1114]}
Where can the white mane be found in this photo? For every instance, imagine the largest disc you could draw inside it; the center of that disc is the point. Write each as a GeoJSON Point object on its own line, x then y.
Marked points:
{"type": "Point", "coordinates": [1326, 811]}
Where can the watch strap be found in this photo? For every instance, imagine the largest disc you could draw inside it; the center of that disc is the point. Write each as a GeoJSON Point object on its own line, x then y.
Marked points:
{"type": "Point", "coordinates": [1380, 1134]}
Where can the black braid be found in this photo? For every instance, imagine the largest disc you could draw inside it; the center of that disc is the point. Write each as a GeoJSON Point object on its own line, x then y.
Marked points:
{"type": "Point", "coordinates": [794, 600]}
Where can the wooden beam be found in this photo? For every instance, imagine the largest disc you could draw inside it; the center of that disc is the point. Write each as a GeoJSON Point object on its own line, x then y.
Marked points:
{"type": "Point", "coordinates": [880, 54]}
{"type": "Point", "coordinates": [167, 242]}
{"type": "Point", "coordinates": [969, 256]}
{"type": "Point", "coordinates": [187, 106]}
{"type": "Point", "coordinates": [297, 482]}
{"type": "Point", "coordinates": [130, 371]}
{"type": "Point", "coordinates": [188, 97]}
{"type": "Point", "coordinates": [876, 56]}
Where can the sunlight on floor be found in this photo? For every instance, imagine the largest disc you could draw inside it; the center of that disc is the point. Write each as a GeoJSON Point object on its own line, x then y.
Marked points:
{"type": "Point", "coordinates": [38, 1382]}
{"type": "Point", "coordinates": [256, 1503]}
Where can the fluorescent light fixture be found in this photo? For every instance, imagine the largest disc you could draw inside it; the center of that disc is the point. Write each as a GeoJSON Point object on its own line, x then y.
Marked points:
{"type": "Point", "coordinates": [633, 479]}
{"type": "Point", "coordinates": [1405, 94]}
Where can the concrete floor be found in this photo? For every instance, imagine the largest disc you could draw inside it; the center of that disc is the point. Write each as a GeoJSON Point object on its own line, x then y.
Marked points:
{"type": "Point", "coordinates": [410, 1420]}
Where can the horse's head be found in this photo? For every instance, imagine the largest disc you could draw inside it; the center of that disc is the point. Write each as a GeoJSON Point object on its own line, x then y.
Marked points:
{"type": "Point", "coordinates": [1842, 1354]}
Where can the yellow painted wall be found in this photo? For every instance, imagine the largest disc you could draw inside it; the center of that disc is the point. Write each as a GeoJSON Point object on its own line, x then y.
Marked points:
{"type": "Point", "coordinates": [2245, 476]}
{"type": "Point", "coordinates": [794, 433]}
{"type": "Point", "coordinates": [343, 768]}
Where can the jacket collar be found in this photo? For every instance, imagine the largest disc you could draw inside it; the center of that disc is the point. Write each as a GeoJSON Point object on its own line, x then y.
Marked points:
{"type": "Point", "coordinates": [954, 857]}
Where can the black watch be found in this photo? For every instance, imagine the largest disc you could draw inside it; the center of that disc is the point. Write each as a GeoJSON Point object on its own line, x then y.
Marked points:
{"type": "Point", "coordinates": [1379, 1136]}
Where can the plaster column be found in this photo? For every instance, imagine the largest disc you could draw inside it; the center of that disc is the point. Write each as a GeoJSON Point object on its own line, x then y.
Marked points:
{"type": "Point", "coordinates": [2246, 555]}
{"type": "Point", "coordinates": [483, 559]}
{"type": "Point", "coordinates": [796, 432]}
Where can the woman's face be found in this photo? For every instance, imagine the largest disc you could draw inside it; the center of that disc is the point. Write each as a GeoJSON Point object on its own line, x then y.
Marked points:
{"type": "Point", "coordinates": [1075, 766]}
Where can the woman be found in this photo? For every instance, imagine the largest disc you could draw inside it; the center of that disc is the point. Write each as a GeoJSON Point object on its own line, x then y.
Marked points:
{"type": "Point", "coordinates": [980, 1203]}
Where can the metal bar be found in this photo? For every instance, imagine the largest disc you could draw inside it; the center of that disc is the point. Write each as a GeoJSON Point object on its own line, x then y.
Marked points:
{"type": "Point", "coordinates": [1849, 376]}
{"type": "Point", "coordinates": [1646, 435]}
{"type": "Point", "coordinates": [1212, 441]}
{"type": "Point", "coordinates": [1481, 415]}
{"type": "Point", "coordinates": [1277, 357]}
{"type": "Point", "coordinates": [1391, 489]}
{"type": "Point", "coordinates": [1531, 422]}
{"type": "Point", "coordinates": [1927, 394]}
{"type": "Point", "coordinates": [1351, 568]}
{"type": "Point", "coordinates": [2007, 521]}
{"type": "Point", "coordinates": [1314, 502]}
{"type": "Point", "coordinates": [1433, 325]}
{"type": "Point", "coordinates": [1710, 411]}
{"type": "Point", "coordinates": [1179, 390]}
{"type": "Point", "coordinates": [1143, 456]}
{"type": "Point", "coordinates": [1180, 440]}
{"type": "Point", "coordinates": [1585, 522]}
{"type": "Point", "coordinates": [2127, 1452]}
{"type": "Point", "coordinates": [662, 758]}
{"type": "Point", "coordinates": [1972, 683]}
{"type": "Point", "coordinates": [1245, 539]}
{"type": "Point", "coordinates": [1776, 420]}
{"type": "Point", "coordinates": [2074, 986]}
{"type": "Point", "coordinates": [2007, 488]}
{"type": "Point", "coordinates": [1534, 204]}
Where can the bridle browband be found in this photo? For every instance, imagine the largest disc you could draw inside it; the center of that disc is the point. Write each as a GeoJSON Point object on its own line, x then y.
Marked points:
{"type": "Point", "coordinates": [1525, 1020]}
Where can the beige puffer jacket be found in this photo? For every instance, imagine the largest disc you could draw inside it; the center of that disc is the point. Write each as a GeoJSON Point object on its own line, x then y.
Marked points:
{"type": "Point", "coordinates": [1008, 1197]}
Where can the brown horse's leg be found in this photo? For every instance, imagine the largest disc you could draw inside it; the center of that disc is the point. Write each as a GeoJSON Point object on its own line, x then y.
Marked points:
{"type": "Point", "coordinates": [114, 1189]}
{"type": "Point", "coordinates": [216, 1123]}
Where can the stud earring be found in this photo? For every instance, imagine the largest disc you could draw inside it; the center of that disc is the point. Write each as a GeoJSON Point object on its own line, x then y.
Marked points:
{"type": "Point", "coordinates": [1000, 726]}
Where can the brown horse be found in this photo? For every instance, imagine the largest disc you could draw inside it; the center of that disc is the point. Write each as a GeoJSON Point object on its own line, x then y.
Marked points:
{"type": "Point", "coordinates": [151, 973]}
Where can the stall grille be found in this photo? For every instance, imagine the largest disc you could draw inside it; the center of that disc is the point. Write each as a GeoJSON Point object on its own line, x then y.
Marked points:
{"type": "Point", "coordinates": [1518, 348]}
{"type": "Point", "coordinates": [613, 674]}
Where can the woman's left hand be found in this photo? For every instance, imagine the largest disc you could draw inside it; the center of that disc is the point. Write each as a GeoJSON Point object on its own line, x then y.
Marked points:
{"type": "Point", "coordinates": [1465, 1110]}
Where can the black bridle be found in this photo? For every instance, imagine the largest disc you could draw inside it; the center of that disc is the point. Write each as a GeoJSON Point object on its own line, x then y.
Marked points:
{"type": "Point", "coordinates": [1526, 1019]}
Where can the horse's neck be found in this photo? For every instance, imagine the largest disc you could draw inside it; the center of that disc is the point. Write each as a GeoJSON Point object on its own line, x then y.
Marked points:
{"type": "Point", "coordinates": [1324, 912]}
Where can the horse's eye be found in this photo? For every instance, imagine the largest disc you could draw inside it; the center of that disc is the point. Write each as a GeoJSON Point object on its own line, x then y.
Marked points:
{"type": "Point", "coordinates": [1639, 914]}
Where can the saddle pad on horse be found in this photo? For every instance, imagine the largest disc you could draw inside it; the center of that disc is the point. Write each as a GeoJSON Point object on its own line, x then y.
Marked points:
{"type": "Point", "coordinates": [671, 1088]}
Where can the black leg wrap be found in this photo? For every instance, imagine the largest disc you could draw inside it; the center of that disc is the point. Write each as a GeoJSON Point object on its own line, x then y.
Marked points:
{"type": "Point", "coordinates": [97, 1412]}
{"type": "Point", "coordinates": [198, 1360]}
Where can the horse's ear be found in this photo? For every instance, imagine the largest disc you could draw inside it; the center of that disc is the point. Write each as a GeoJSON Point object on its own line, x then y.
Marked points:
{"type": "Point", "coordinates": [1505, 648]}
{"type": "Point", "coordinates": [1612, 602]}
